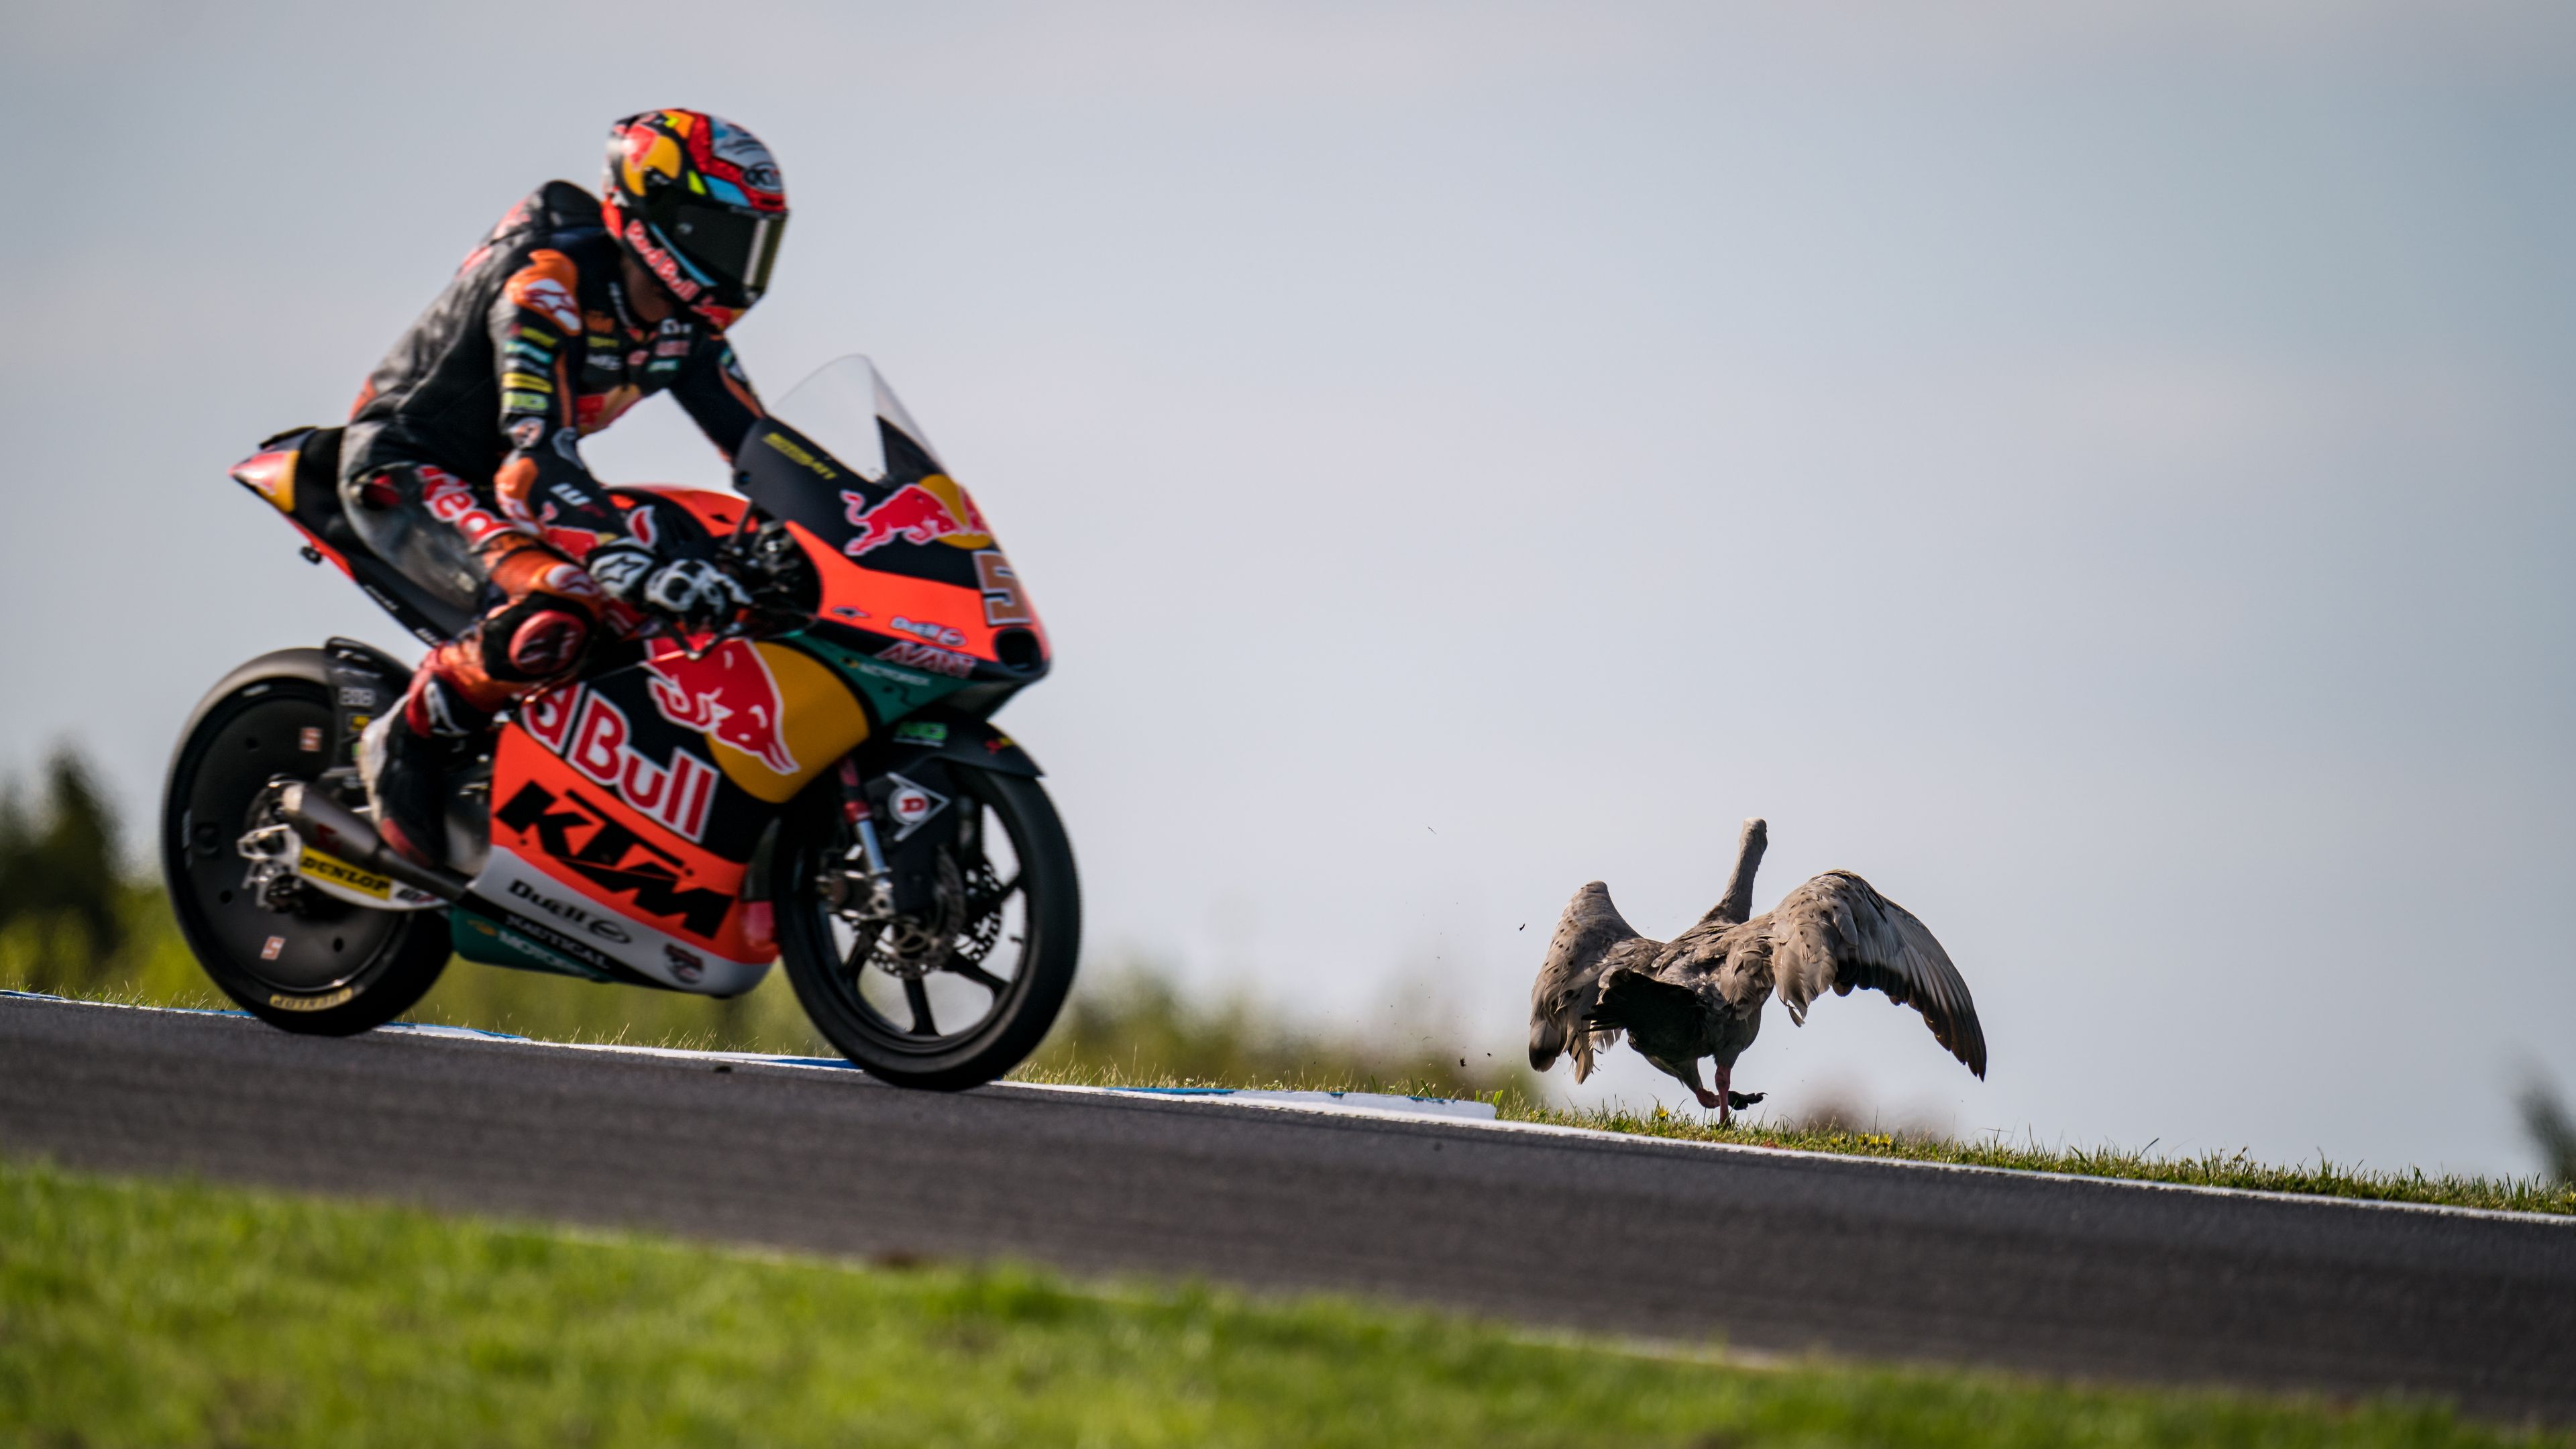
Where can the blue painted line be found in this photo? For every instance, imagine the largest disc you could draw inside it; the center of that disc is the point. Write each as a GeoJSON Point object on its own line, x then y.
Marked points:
{"type": "Point", "coordinates": [1246, 1096]}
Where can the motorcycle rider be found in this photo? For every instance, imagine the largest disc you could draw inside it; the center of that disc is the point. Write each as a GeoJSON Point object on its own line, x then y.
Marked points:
{"type": "Point", "coordinates": [462, 467]}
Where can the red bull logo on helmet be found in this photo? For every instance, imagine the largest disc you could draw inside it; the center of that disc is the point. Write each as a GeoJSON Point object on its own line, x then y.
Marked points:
{"type": "Point", "coordinates": [729, 694]}
{"type": "Point", "coordinates": [932, 510]}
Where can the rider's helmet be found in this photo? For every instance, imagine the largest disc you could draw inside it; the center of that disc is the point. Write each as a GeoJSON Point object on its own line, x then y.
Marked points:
{"type": "Point", "coordinates": [699, 202]}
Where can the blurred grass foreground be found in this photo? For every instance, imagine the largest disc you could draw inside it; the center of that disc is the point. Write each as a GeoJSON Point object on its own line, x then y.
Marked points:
{"type": "Point", "coordinates": [75, 922]}
{"type": "Point", "coordinates": [149, 1313]}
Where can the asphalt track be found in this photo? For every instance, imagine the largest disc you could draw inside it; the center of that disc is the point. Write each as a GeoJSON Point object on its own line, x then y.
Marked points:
{"type": "Point", "coordinates": [1776, 1252]}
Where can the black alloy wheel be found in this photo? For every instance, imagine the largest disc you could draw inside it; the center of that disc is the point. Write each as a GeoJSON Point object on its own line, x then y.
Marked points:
{"type": "Point", "coordinates": [960, 997]}
{"type": "Point", "coordinates": [303, 961]}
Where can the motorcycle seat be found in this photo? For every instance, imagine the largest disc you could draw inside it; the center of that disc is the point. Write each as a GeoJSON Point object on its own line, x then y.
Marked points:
{"type": "Point", "coordinates": [319, 507]}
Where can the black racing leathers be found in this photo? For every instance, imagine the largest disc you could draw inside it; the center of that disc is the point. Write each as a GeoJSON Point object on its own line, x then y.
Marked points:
{"type": "Point", "coordinates": [462, 467]}
{"type": "Point", "coordinates": [532, 346]}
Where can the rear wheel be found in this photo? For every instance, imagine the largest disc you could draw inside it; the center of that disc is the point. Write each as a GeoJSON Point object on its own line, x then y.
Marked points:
{"type": "Point", "coordinates": [291, 956]}
{"type": "Point", "coordinates": [958, 997]}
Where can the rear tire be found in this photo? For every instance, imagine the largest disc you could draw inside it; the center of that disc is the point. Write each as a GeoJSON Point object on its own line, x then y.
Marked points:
{"type": "Point", "coordinates": [1021, 1008]}
{"type": "Point", "coordinates": [326, 968]}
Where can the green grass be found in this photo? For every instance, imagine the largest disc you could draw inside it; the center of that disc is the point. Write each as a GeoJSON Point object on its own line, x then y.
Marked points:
{"type": "Point", "coordinates": [152, 1313]}
{"type": "Point", "coordinates": [2214, 1169]}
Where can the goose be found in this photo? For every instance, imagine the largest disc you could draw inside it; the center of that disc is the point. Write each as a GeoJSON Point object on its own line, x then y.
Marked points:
{"type": "Point", "coordinates": [1701, 994]}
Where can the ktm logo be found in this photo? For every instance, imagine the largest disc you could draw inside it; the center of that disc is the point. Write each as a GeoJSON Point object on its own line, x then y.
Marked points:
{"type": "Point", "coordinates": [612, 857]}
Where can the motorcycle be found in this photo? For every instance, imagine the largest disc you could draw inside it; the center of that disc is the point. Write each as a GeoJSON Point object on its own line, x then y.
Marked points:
{"type": "Point", "coordinates": [817, 784]}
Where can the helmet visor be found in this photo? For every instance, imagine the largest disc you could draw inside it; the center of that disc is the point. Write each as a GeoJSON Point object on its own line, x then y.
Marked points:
{"type": "Point", "coordinates": [734, 249]}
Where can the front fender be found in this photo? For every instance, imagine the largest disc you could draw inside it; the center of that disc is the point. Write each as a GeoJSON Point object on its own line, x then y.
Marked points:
{"type": "Point", "coordinates": [972, 743]}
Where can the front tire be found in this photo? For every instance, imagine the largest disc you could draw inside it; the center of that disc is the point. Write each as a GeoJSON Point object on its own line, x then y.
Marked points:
{"type": "Point", "coordinates": [323, 967]}
{"type": "Point", "coordinates": [883, 1013]}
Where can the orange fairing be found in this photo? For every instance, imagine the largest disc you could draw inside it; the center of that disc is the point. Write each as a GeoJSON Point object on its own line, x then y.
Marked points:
{"type": "Point", "coordinates": [870, 599]}
{"type": "Point", "coordinates": [566, 790]}
{"type": "Point", "coordinates": [715, 512]}
{"type": "Point", "coordinates": [271, 475]}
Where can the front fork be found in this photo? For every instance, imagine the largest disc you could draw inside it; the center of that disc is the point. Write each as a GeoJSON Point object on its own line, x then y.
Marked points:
{"type": "Point", "coordinates": [862, 820]}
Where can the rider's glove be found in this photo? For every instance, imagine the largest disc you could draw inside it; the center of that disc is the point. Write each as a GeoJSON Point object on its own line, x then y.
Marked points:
{"type": "Point", "coordinates": [692, 591]}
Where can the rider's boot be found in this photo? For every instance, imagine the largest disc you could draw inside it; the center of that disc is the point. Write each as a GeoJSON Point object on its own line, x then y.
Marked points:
{"type": "Point", "coordinates": [403, 759]}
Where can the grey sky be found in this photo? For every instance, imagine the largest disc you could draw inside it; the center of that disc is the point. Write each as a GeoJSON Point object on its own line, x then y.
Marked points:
{"type": "Point", "coordinates": [2103, 472]}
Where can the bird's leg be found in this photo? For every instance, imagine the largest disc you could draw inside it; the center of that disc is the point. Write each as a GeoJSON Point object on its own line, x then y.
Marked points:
{"type": "Point", "coordinates": [1725, 1079]}
{"type": "Point", "coordinates": [1707, 1098]}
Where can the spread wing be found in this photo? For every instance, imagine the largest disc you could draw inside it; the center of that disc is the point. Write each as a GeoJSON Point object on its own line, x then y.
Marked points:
{"type": "Point", "coordinates": [1836, 932]}
{"type": "Point", "coordinates": [1588, 935]}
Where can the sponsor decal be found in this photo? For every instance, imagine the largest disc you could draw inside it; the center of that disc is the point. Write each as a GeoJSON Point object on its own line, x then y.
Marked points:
{"type": "Point", "coordinates": [803, 459]}
{"type": "Point", "coordinates": [527, 380]}
{"type": "Point", "coordinates": [539, 336]}
{"type": "Point", "coordinates": [527, 402]}
{"type": "Point", "coordinates": [452, 503]}
{"type": "Point", "coordinates": [593, 735]}
{"type": "Point", "coordinates": [339, 872]}
{"type": "Point", "coordinates": [309, 739]}
{"type": "Point", "coordinates": [1002, 601]}
{"type": "Point", "coordinates": [607, 361]}
{"type": "Point", "coordinates": [323, 1002]}
{"type": "Point", "coordinates": [659, 262]}
{"type": "Point", "coordinates": [936, 633]}
{"type": "Point", "coordinates": [567, 580]}
{"type": "Point", "coordinates": [275, 944]}
{"type": "Point", "coordinates": [534, 356]}
{"type": "Point", "coordinates": [542, 939]}
{"type": "Point", "coordinates": [997, 744]}
{"type": "Point", "coordinates": [580, 836]}
{"type": "Point", "coordinates": [526, 433]}
{"type": "Point", "coordinates": [921, 732]}
{"type": "Point", "coordinates": [729, 694]}
{"type": "Point", "coordinates": [912, 804]}
{"type": "Point", "coordinates": [679, 348]}
{"type": "Point", "coordinates": [357, 696]}
{"type": "Point", "coordinates": [685, 964]}
{"type": "Point", "coordinates": [591, 921]}
{"type": "Point", "coordinates": [904, 677]}
{"type": "Point", "coordinates": [846, 612]}
{"type": "Point", "coordinates": [924, 656]}
{"type": "Point", "coordinates": [547, 297]}
{"type": "Point", "coordinates": [916, 513]}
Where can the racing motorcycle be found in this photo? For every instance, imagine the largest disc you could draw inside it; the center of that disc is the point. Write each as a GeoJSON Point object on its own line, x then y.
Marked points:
{"type": "Point", "coordinates": [817, 783]}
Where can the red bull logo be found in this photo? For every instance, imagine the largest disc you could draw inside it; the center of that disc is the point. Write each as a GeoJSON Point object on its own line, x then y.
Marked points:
{"type": "Point", "coordinates": [729, 694]}
{"type": "Point", "coordinates": [934, 509]}
{"type": "Point", "coordinates": [593, 735]}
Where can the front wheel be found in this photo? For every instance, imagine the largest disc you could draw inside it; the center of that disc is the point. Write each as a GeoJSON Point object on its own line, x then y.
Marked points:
{"type": "Point", "coordinates": [292, 957]}
{"type": "Point", "coordinates": [960, 998]}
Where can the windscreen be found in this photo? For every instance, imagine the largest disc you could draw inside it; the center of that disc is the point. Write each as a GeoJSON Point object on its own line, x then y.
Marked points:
{"type": "Point", "coordinates": [847, 408]}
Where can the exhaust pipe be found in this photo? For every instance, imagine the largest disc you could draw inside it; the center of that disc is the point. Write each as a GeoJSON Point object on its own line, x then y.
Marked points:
{"type": "Point", "coordinates": [336, 830]}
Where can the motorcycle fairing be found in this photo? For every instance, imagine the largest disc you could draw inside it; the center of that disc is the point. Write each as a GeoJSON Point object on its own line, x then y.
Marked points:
{"type": "Point", "coordinates": [624, 811]}
{"type": "Point", "coordinates": [297, 473]}
{"type": "Point", "coordinates": [907, 563]}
